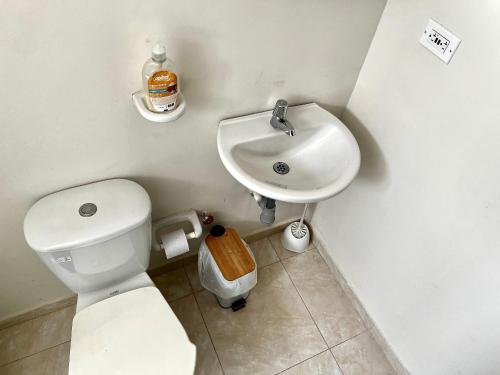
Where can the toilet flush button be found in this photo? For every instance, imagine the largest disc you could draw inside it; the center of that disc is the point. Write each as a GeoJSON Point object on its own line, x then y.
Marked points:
{"type": "Point", "coordinates": [87, 209]}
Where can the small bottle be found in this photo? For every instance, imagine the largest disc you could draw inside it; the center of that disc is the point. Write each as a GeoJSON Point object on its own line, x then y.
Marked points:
{"type": "Point", "coordinates": [160, 80]}
{"type": "Point", "coordinates": [206, 218]}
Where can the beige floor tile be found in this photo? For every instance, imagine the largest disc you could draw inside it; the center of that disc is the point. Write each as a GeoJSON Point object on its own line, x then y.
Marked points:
{"type": "Point", "coordinates": [173, 284]}
{"type": "Point", "coordinates": [188, 313]}
{"type": "Point", "coordinates": [39, 311]}
{"type": "Point", "coordinates": [53, 361]}
{"type": "Point", "coordinates": [322, 364]}
{"type": "Point", "coordinates": [192, 274]}
{"type": "Point", "coordinates": [362, 356]}
{"type": "Point", "coordinates": [329, 306]}
{"type": "Point", "coordinates": [272, 333]}
{"type": "Point", "coordinates": [280, 250]}
{"type": "Point", "coordinates": [264, 252]}
{"type": "Point", "coordinates": [36, 335]}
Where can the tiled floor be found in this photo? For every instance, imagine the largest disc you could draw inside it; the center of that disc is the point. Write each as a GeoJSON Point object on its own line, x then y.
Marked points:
{"type": "Point", "coordinates": [297, 321]}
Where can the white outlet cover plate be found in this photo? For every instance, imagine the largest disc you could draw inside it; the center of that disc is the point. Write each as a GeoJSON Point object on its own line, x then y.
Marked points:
{"type": "Point", "coordinates": [439, 41]}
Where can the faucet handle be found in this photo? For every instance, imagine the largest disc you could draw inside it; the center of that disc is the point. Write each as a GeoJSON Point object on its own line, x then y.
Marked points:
{"type": "Point", "coordinates": [280, 109]}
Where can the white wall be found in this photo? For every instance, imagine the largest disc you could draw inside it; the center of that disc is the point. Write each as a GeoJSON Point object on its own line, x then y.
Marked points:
{"type": "Point", "coordinates": [67, 71]}
{"type": "Point", "coordinates": [418, 233]}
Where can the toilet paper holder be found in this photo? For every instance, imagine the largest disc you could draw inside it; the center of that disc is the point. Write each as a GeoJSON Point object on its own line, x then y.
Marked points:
{"type": "Point", "coordinates": [189, 215]}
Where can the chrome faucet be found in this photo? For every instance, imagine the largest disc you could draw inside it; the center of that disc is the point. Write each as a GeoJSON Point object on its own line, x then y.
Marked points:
{"type": "Point", "coordinates": [279, 121]}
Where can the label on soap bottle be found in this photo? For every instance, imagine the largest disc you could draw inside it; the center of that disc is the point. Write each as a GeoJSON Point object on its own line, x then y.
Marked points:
{"type": "Point", "coordinates": [162, 90]}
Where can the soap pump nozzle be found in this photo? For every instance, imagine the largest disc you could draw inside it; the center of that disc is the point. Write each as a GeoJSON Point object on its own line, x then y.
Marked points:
{"type": "Point", "coordinates": [159, 54]}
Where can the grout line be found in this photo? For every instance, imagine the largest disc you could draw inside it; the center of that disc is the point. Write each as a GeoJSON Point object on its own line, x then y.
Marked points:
{"type": "Point", "coordinates": [272, 248]}
{"type": "Point", "coordinates": [276, 251]}
{"type": "Point", "coordinates": [360, 307]}
{"type": "Point", "coordinates": [151, 273]}
{"type": "Point", "coordinates": [210, 336]}
{"type": "Point", "coordinates": [270, 264]}
{"type": "Point", "coordinates": [305, 305]}
{"type": "Point", "coordinates": [31, 355]}
{"type": "Point", "coordinates": [267, 265]}
{"type": "Point", "coordinates": [298, 363]}
{"type": "Point", "coordinates": [337, 362]}
{"type": "Point", "coordinates": [189, 280]}
{"type": "Point", "coordinates": [298, 292]}
{"type": "Point", "coordinates": [175, 299]}
{"type": "Point", "coordinates": [171, 266]}
{"type": "Point", "coordinates": [350, 338]}
{"type": "Point", "coordinates": [208, 331]}
{"type": "Point", "coordinates": [329, 347]}
{"type": "Point", "coordinates": [37, 316]}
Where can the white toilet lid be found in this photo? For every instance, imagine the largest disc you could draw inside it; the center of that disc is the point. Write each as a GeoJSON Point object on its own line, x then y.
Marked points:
{"type": "Point", "coordinates": [130, 334]}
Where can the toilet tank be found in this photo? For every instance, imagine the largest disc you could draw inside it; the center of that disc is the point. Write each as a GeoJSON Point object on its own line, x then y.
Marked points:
{"type": "Point", "coordinates": [92, 236]}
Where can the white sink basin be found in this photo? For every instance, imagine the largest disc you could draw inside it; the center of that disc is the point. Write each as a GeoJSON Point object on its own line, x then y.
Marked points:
{"type": "Point", "coordinates": [323, 157]}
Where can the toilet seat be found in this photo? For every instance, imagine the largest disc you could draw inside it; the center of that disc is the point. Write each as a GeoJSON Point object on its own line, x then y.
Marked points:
{"type": "Point", "coordinates": [132, 333]}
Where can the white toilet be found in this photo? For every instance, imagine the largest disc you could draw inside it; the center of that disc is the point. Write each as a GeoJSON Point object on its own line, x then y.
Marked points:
{"type": "Point", "coordinates": [97, 238]}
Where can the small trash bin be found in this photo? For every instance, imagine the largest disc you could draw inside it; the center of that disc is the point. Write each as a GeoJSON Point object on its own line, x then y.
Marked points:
{"type": "Point", "coordinates": [226, 267]}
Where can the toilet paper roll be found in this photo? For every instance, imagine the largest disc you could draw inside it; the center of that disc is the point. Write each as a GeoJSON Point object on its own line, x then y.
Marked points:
{"type": "Point", "coordinates": [174, 243]}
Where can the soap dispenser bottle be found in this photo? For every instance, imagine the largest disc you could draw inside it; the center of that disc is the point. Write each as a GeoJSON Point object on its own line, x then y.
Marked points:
{"type": "Point", "coordinates": [160, 80]}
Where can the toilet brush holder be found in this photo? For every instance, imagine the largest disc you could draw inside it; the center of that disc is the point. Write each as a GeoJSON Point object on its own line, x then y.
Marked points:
{"type": "Point", "coordinates": [296, 237]}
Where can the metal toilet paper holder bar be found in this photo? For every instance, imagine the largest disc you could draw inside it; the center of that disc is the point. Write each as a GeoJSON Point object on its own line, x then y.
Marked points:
{"type": "Point", "coordinates": [189, 215]}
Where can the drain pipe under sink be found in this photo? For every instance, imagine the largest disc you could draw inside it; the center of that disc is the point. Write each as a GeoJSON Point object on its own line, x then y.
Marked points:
{"type": "Point", "coordinates": [268, 207]}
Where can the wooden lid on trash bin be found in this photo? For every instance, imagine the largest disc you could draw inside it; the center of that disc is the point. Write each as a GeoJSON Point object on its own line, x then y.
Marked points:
{"type": "Point", "coordinates": [229, 253]}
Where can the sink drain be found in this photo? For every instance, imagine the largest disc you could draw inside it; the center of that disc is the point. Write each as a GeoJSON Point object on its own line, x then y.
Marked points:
{"type": "Point", "coordinates": [281, 167]}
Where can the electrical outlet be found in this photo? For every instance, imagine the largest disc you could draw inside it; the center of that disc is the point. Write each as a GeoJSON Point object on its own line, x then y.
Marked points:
{"type": "Point", "coordinates": [439, 41]}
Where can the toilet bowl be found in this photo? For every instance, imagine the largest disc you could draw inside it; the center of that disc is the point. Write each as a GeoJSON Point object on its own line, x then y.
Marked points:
{"type": "Point", "coordinates": [96, 239]}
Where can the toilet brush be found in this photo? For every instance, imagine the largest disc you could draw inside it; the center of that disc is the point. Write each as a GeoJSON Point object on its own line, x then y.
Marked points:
{"type": "Point", "coordinates": [296, 236]}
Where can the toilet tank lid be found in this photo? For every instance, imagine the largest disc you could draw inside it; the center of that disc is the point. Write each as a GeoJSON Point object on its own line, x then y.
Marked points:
{"type": "Point", "coordinates": [86, 215]}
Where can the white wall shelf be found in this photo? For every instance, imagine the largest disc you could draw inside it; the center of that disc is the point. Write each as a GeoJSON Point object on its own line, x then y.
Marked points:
{"type": "Point", "coordinates": [140, 104]}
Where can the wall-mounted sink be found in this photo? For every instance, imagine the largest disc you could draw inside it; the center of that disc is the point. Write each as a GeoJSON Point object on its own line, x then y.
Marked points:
{"type": "Point", "coordinates": [318, 162]}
